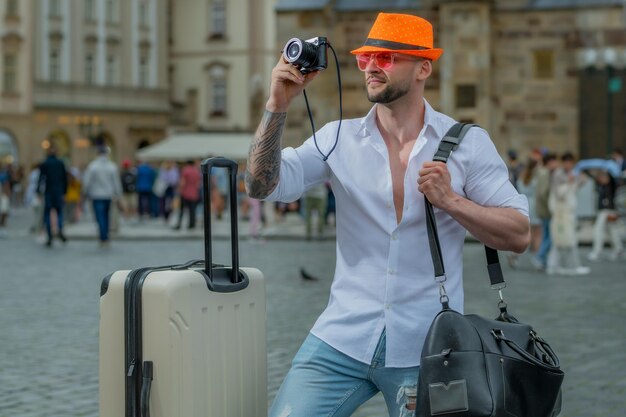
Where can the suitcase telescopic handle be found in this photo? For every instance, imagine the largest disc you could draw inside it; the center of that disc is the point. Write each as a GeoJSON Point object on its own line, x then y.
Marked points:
{"type": "Point", "coordinates": [207, 165]}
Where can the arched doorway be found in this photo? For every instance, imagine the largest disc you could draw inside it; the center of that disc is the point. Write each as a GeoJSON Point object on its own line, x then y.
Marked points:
{"type": "Point", "coordinates": [8, 149]}
{"type": "Point", "coordinates": [143, 144]}
{"type": "Point", "coordinates": [61, 142]}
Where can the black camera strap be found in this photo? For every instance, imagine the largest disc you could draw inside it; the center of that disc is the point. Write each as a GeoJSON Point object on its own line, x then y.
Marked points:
{"type": "Point", "coordinates": [308, 109]}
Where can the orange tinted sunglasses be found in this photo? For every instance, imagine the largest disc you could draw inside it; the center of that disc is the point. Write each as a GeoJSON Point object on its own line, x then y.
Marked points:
{"type": "Point", "coordinates": [383, 60]}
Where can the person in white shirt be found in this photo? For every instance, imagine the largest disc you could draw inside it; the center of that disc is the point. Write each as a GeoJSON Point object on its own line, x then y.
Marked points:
{"type": "Point", "coordinates": [102, 184]}
{"type": "Point", "coordinates": [383, 297]}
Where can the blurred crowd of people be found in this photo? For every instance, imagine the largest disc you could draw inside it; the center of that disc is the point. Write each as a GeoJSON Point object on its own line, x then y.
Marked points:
{"type": "Point", "coordinates": [168, 194]}
{"type": "Point", "coordinates": [551, 183]}
{"type": "Point", "coordinates": [171, 193]}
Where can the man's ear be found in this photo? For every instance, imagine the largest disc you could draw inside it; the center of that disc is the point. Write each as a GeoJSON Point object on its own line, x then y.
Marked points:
{"type": "Point", "coordinates": [425, 69]}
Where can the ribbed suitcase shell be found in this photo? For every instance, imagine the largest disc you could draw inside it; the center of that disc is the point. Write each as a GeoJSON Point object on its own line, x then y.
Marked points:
{"type": "Point", "coordinates": [208, 348]}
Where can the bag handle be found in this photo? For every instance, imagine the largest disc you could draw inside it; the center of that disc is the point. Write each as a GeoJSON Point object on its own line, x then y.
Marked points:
{"type": "Point", "coordinates": [550, 362]}
{"type": "Point", "coordinates": [206, 166]}
{"type": "Point", "coordinates": [450, 142]}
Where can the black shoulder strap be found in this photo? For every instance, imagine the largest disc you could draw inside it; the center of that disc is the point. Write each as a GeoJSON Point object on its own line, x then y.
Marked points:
{"type": "Point", "coordinates": [448, 144]}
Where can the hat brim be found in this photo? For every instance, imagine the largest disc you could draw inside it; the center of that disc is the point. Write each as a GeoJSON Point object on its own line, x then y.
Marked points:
{"type": "Point", "coordinates": [432, 54]}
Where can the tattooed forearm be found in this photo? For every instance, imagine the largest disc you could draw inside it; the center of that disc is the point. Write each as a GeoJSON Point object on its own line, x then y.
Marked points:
{"type": "Point", "coordinates": [263, 166]}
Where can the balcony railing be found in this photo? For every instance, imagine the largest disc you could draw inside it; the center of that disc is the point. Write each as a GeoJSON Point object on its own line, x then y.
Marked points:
{"type": "Point", "coordinates": [100, 97]}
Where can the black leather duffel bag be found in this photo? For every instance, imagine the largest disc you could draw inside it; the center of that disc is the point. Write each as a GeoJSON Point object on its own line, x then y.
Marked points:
{"type": "Point", "coordinates": [473, 366]}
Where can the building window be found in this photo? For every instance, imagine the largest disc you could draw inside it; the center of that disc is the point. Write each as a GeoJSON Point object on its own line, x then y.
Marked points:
{"type": "Point", "coordinates": [465, 96]}
{"type": "Point", "coordinates": [143, 12]}
{"type": "Point", "coordinates": [54, 8]}
{"type": "Point", "coordinates": [111, 70]}
{"type": "Point", "coordinates": [12, 9]}
{"type": "Point", "coordinates": [143, 72]}
{"type": "Point", "coordinates": [90, 69]}
{"type": "Point", "coordinates": [543, 60]}
{"type": "Point", "coordinates": [218, 19]}
{"type": "Point", "coordinates": [218, 91]}
{"type": "Point", "coordinates": [55, 66]}
{"type": "Point", "coordinates": [9, 76]}
{"type": "Point", "coordinates": [111, 11]}
{"type": "Point", "coordinates": [90, 10]}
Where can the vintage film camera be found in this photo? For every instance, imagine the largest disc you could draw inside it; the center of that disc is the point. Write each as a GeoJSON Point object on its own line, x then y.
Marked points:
{"type": "Point", "coordinates": [308, 55]}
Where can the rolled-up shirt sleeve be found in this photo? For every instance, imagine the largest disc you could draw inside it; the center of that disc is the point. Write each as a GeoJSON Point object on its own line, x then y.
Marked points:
{"type": "Point", "coordinates": [302, 168]}
{"type": "Point", "coordinates": [488, 181]}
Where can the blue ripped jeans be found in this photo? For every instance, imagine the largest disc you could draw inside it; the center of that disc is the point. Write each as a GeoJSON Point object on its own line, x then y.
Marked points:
{"type": "Point", "coordinates": [324, 382]}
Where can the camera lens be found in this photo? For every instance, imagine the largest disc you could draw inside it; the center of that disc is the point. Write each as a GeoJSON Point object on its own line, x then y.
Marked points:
{"type": "Point", "coordinates": [301, 53]}
{"type": "Point", "coordinates": [293, 50]}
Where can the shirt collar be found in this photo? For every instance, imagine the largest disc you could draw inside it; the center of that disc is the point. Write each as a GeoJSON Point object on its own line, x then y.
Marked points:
{"type": "Point", "coordinates": [368, 123]}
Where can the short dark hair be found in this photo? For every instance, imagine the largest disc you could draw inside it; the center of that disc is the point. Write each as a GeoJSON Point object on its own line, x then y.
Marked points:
{"type": "Point", "coordinates": [548, 157]}
{"type": "Point", "coordinates": [567, 156]}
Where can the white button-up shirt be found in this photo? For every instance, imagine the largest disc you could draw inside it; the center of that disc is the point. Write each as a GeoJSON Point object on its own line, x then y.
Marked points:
{"type": "Point", "coordinates": [384, 274]}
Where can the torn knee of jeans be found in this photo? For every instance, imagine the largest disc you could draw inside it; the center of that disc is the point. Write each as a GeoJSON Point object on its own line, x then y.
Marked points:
{"type": "Point", "coordinates": [407, 398]}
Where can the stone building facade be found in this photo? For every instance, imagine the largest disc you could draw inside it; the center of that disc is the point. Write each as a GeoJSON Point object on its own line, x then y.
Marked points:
{"type": "Point", "coordinates": [222, 54]}
{"type": "Point", "coordinates": [85, 73]}
{"type": "Point", "coordinates": [15, 75]}
{"type": "Point", "coordinates": [535, 73]}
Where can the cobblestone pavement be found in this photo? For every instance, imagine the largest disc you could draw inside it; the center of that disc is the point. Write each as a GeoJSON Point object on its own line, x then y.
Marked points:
{"type": "Point", "coordinates": [49, 310]}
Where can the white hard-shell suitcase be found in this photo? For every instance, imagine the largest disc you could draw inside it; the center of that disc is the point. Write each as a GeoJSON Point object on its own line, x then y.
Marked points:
{"type": "Point", "coordinates": [185, 340]}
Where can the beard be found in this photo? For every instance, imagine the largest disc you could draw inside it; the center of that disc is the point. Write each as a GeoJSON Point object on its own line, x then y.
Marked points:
{"type": "Point", "coordinates": [389, 94]}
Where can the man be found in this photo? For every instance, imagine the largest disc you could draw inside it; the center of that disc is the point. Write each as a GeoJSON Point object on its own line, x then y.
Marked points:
{"type": "Point", "coordinates": [128, 177]}
{"type": "Point", "coordinates": [383, 296]}
{"type": "Point", "coordinates": [606, 218]}
{"type": "Point", "coordinates": [618, 156]}
{"type": "Point", "coordinates": [189, 191]}
{"type": "Point", "coordinates": [53, 185]}
{"type": "Point", "coordinates": [146, 175]}
{"type": "Point", "coordinates": [515, 167]}
{"type": "Point", "coordinates": [542, 195]}
{"type": "Point", "coordinates": [102, 184]}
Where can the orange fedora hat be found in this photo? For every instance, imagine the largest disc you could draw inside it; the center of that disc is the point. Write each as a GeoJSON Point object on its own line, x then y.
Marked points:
{"type": "Point", "coordinates": [402, 33]}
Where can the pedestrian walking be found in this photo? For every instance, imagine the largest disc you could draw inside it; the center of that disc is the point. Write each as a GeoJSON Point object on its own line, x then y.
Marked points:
{"type": "Point", "coordinates": [146, 176]}
{"type": "Point", "coordinates": [315, 203]}
{"type": "Point", "coordinates": [607, 217]}
{"type": "Point", "coordinates": [189, 192]}
{"type": "Point", "coordinates": [383, 297]}
{"type": "Point", "coordinates": [515, 167]}
{"type": "Point", "coordinates": [53, 186]}
{"type": "Point", "coordinates": [256, 220]}
{"type": "Point", "coordinates": [563, 256]}
{"type": "Point", "coordinates": [128, 176]}
{"type": "Point", "coordinates": [618, 156]}
{"type": "Point", "coordinates": [73, 196]}
{"type": "Point", "coordinates": [168, 177]}
{"type": "Point", "coordinates": [527, 185]}
{"type": "Point", "coordinates": [542, 209]}
{"type": "Point", "coordinates": [102, 184]}
{"type": "Point", "coordinates": [5, 203]}
{"type": "Point", "coordinates": [33, 200]}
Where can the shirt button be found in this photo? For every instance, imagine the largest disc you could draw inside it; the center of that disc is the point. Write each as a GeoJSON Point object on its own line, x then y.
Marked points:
{"type": "Point", "coordinates": [394, 236]}
{"type": "Point", "coordinates": [392, 271]}
{"type": "Point", "coordinates": [387, 306]}
{"type": "Point", "coordinates": [388, 205]}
